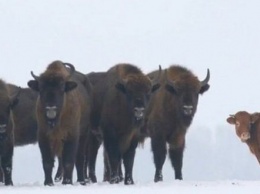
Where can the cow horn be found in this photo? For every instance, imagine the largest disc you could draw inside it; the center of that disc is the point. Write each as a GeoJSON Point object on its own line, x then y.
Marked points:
{"type": "Point", "coordinates": [34, 76]}
{"type": "Point", "coordinates": [206, 80]}
{"type": "Point", "coordinates": [72, 69]}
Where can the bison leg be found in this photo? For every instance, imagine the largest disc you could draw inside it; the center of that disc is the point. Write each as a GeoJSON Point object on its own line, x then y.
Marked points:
{"type": "Point", "coordinates": [106, 176]}
{"type": "Point", "coordinates": [128, 159]}
{"type": "Point", "coordinates": [59, 172]}
{"type": "Point", "coordinates": [120, 171]}
{"type": "Point", "coordinates": [47, 160]}
{"type": "Point", "coordinates": [6, 162]}
{"type": "Point", "coordinates": [1, 175]}
{"type": "Point", "coordinates": [159, 155]}
{"type": "Point", "coordinates": [68, 160]}
{"type": "Point", "coordinates": [114, 158]}
{"type": "Point", "coordinates": [80, 161]}
{"type": "Point", "coordinates": [93, 146]}
{"type": "Point", "coordinates": [176, 156]}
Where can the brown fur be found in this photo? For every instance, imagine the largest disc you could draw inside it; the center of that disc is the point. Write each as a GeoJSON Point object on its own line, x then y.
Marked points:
{"type": "Point", "coordinates": [248, 125]}
{"type": "Point", "coordinates": [166, 122]}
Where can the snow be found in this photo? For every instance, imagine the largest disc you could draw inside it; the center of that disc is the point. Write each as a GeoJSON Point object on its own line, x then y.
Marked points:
{"type": "Point", "coordinates": [220, 35]}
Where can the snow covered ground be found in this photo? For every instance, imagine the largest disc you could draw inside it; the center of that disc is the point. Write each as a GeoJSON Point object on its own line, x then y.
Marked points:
{"type": "Point", "coordinates": [220, 35]}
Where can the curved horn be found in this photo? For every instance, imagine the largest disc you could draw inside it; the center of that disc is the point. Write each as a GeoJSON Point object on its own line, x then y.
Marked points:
{"type": "Point", "coordinates": [34, 76]}
{"type": "Point", "coordinates": [206, 80]}
{"type": "Point", "coordinates": [156, 80]}
{"type": "Point", "coordinates": [72, 68]}
{"type": "Point", "coordinates": [232, 116]}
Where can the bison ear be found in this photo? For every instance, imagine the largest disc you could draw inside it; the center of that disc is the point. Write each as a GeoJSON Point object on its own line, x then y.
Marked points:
{"type": "Point", "coordinates": [156, 87]}
{"type": "Point", "coordinates": [70, 85]}
{"type": "Point", "coordinates": [204, 88]}
{"type": "Point", "coordinates": [170, 88]}
{"type": "Point", "coordinates": [231, 120]}
{"type": "Point", "coordinates": [255, 117]}
{"type": "Point", "coordinates": [120, 87]}
{"type": "Point", "coordinates": [34, 85]}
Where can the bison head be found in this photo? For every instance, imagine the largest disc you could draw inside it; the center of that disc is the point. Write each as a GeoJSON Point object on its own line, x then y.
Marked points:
{"type": "Point", "coordinates": [7, 103]}
{"type": "Point", "coordinates": [137, 89]}
{"type": "Point", "coordinates": [243, 122]}
{"type": "Point", "coordinates": [185, 88]}
{"type": "Point", "coordinates": [52, 87]}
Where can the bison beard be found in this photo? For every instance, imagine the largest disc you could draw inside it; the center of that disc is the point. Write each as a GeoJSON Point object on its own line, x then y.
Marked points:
{"type": "Point", "coordinates": [169, 115]}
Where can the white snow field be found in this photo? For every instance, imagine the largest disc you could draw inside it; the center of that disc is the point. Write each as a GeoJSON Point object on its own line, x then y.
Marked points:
{"type": "Point", "coordinates": [222, 35]}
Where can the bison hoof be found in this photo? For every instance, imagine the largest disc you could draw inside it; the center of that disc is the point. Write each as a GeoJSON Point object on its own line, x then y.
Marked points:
{"type": "Point", "coordinates": [121, 178]}
{"type": "Point", "coordinates": [129, 181]}
{"type": "Point", "coordinates": [93, 178]}
{"type": "Point", "coordinates": [67, 182]}
{"type": "Point", "coordinates": [48, 184]}
{"type": "Point", "coordinates": [158, 178]}
{"type": "Point", "coordinates": [58, 179]}
{"type": "Point", "coordinates": [114, 180]}
{"type": "Point", "coordinates": [9, 183]}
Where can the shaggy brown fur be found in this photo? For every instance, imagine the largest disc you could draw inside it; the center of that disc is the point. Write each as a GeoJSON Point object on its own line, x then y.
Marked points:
{"type": "Point", "coordinates": [170, 113]}
{"type": "Point", "coordinates": [64, 135]}
{"type": "Point", "coordinates": [124, 90]}
{"type": "Point", "coordinates": [247, 128]}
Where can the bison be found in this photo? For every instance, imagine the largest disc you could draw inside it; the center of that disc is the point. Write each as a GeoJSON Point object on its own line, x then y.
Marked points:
{"type": "Point", "coordinates": [170, 113]}
{"type": "Point", "coordinates": [248, 130]}
{"type": "Point", "coordinates": [62, 110]}
{"type": "Point", "coordinates": [7, 103]}
{"type": "Point", "coordinates": [118, 107]}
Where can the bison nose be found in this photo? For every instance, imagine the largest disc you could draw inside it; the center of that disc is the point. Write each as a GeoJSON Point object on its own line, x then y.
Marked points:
{"type": "Point", "coordinates": [3, 128]}
{"type": "Point", "coordinates": [245, 136]}
{"type": "Point", "coordinates": [139, 112]}
{"type": "Point", "coordinates": [51, 112]}
{"type": "Point", "coordinates": [187, 109]}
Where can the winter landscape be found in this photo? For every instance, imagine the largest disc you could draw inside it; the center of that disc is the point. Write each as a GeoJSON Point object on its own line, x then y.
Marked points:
{"type": "Point", "coordinates": [220, 35]}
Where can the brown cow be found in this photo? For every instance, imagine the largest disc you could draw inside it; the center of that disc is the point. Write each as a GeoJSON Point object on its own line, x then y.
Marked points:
{"type": "Point", "coordinates": [248, 130]}
{"type": "Point", "coordinates": [170, 113]}
{"type": "Point", "coordinates": [62, 117]}
{"type": "Point", "coordinates": [7, 103]}
{"type": "Point", "coordinates": [117, 110]}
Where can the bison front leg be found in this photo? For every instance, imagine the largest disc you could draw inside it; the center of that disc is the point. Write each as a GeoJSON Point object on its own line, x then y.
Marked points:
{"type": "Point", "coordinates": [128, 159]}
{"type": "Point", "coordinates": [80, 161]}
{"type": "Point", "coordinates": [68, 160]}
{"type": "Point", "coordinates": [159, 155]}
{"type": "Point", "coordinates": [47, 160]}
{"type": "Point", "coordinates": [176, 156]}
{"type": "Point", "coordinates": [6, 162]}
{"type": "Point", "coordinates": [59, 172]}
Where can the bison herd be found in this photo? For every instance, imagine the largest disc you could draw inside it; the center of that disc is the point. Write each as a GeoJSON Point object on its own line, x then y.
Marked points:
{"type": "Point", "coordinates": [71, 114]}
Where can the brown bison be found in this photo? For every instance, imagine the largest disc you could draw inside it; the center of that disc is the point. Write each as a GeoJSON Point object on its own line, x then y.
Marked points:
{"type": "Point", "coordinates": [247, 129]}
{"type": "Point", "coordinates": [170, 113]}
{"type": "Point", "coordinates": [118, 106]}
{"type": "Point", "coordinates": [7, 103]}
{"type": "Point", "coordinates": [62, 110]}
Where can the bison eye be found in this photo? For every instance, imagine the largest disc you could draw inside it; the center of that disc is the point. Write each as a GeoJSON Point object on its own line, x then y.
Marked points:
{"type": "Point", "coordinates": [237, 123]}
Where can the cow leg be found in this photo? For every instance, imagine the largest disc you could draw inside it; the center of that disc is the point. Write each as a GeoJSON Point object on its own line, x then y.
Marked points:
{"type": "Point", "coordinates": [59, 172]}
{"type": "Point", "coordinates": [92, 151]}
{"type": "Point", "coordinates": [114, 157]}
{"type": "Point", "coordinates": [6, 162]}
{"type": "Point", "coordinates": [176, 156]}
{"type": "Point", "coordinates": [47, 159]}
{"type": "Point", "coordinates": [159, 154]}
{"type": "Point", "coordinates": [128, 159]}
{"type": "Point", "coordinates": [80, 161]}
{"type": "Point", "coordinates": [68, 160]}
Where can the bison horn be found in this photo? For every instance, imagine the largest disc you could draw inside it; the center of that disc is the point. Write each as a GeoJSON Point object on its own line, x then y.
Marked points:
{"type": "Point", "coordinates": [34, 76]}
{"type": "Point", "coordinates": [156, 80]}
{"type": "Point", "coordinates": [72, 69]}
{"type": "Point", "coordinates": [232, 116]}
{"type": "Point", "coordinates": [206, 80]}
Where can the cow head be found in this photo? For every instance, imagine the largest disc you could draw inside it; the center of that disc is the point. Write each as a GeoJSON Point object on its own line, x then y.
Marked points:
{"type": "Point", "coordinates": [186, 90]}
{"type": "Point", "coordinates": [7, 103]}
{"type": "Point", "coordinates": [52, 87]}
{"type": "Point", "coordinates": [243, 122]}
{"type": "Point", "coordinates": [137, 89]}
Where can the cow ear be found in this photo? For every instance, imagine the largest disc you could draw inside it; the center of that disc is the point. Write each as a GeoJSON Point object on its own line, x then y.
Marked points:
{"type": "Point", "coordinates": [255, 117]}
{"type": "Point", "coordinates": [155, 87]}
{"type": "Point", "coordinates": [170, 88]}
{"type": "Point", "coordinates": [34, 85]}
{"type": "Point", "coordinates": [231, 120]}
{"type": "Point", "coordinates": [70, 85]}
{"type": "Point", "coordinates": [120, 87]}
{"type": "Point", "coordinates": [204, 88]}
